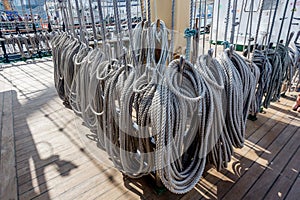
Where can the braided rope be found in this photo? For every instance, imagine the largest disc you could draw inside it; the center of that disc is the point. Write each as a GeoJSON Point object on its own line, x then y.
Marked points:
{"type": "Point", "coordinates": [189, 32]}
{"type": "Point", "coordinates": [149, 116]}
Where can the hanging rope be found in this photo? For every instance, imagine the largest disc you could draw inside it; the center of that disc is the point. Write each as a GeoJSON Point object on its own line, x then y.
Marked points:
{"type": "Point", "coordinates": [153, 113]}
{"type": "Point", "coordinates": [189, 32]}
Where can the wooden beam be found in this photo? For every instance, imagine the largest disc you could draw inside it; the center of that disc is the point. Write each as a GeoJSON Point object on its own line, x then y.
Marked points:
{"type": "Point", "coordinates": [162, 9]}
{"type": "Point", "coordinates": [8, 176]}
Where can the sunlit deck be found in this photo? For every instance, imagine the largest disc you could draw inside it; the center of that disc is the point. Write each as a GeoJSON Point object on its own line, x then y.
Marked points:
{"type": "Point", "coordinates": [43, 157]}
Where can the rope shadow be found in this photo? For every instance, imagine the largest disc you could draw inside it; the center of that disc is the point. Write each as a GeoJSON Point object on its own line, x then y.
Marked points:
{"type": "Point", "coordinates": [30, 166]}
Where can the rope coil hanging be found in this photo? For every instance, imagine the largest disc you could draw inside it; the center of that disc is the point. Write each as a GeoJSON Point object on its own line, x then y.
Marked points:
{"type": "Point", "coordinates": [155, 113]}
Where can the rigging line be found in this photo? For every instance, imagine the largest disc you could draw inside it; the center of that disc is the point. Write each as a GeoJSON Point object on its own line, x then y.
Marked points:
{"type": "Point", "coordinates": [262, 2]}
{"type": "Point", "coordinates": [149, 11]}
{"type": "Point", "coordinates": [282, 23]}
{"type": "Point", "coordinates": [247, 27]}
{"type": "Point", "coordinates": [204, 26]}
{"type": "Point", "coordinates": [269, 23]}
{"type": "Point", "coordinates": [143, 10]}
{"type": "Point", "coordinates": [291, 20]}
{"type": "Point", "coordinates": [72, 19]}
{"type": "Point", "coordinates": [273, 22]}
{"type": "Point", "coordinates": [199, 27]}
{"type": "Point", "coordinates": [227, 19]}
{"type": "Point", "coordinates": [217, 27]}
{"type": "Point", "coordinates": [84, 20]}
{"type": "Point", "coordinates": [250, 31]}
{"type": "Point", "coordinates": [195, 11]}
{"type": "Point", "coordinates": [103, 23]}
{"type": "Point", "coordinates": [120, 48]}
{"type": "Point", "coordinates": [105, 44]}
{"type": "Point", "coordinates": [137, 8]}
{"type": "Point", "coordinates": [93, 23]}
{"type": "Point", "coordinates": [188, 38]}
{"type": "Point", "coordinates": [172, 30]}
{"type": "Point", "coordinates": [240, 20]}
{"type": "Point", "coordinates": [68, 18]}
{"type": "Point", "coordinates": [82, 38]}
{"type": "Point", "coordinates": [234, 9]}
{"type": "Point", "coordinates": [129, 19]}
{"type": "Point", "coordinates": [269, 34]}
{"type": "Point", "coordinates": [211, 26]}
{"type": "Point", "coordinates": [65, 17]}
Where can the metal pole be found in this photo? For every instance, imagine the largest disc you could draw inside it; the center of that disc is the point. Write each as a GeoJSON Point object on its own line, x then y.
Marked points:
{"type": "Point", "coordinates": [282, 23]}
{"type": "Point", "coordinates": [72, 19]}
{"type": "Point", "coordinates": [93, 23]}
{"type": "Point", "coordinates": [258, 25]}
{"type": "Point", "coordinates": [30, 9]}
{"type": "Point", "coordinates": [120, 50]}
{"type": "Point", "coordinates": [82, 38]}
{"type": "Point", "coordinates": [217, 28]}
{"type": "Point", "coordinates": [143, 10]}
{"type": "Point", "coordinates": [105, 46]}
{"type": "Point", "coordinates": [84, 22]}
{"type": "Point", "coordinates": [204, 25]}
{"type": "Point", "coordinates": [269, 22]}
{"type": "Point", "coordinates": [259, 21]}
{"type": "Point", "coordinates": [233, 21]}
{"type": "Point", "coordinates": [271, 31]}
{"type": "Point", "coordinates": [273, 22]}
{"type": "Point", "coordinates": [199, 25]}
{"type": "Point", "coordinates": [247, 26]}
{"type": "Point", "coordinates": [291, 21]}
{"type": "Point", "coordinates": [250, 31]}
{"type": "Point", "coordinates": [211, 26]}
{"type": "Point", "coordinates": [240, 19]}
{"type": "Point", "coordinates": [65, 13]}
{"type": "Point", "coordinates": [227, 20]}
{"type": "Point", "coordinates": [65, 19]}
{"type": "Point", "coordinates": [103, 25]}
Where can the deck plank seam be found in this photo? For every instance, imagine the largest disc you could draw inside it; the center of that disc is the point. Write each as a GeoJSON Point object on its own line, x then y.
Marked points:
{"type": "Point", "coordinates": [279, 175]}
{"type": "Point", "coordinates": [266, 168]}
{"type": "Point", "coordinates": [259, 155]}
{"type": "Point", "coordinates": [290, 189]}
{"type": "Point", "coordinates": [269, 119]}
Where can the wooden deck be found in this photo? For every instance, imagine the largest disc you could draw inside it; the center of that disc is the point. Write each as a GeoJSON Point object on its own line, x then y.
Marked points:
{"type": "Point", "coordinates": [43, 157]}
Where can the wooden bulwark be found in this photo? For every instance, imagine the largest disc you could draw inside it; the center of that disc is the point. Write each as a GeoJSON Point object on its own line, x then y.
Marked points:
{"type": "Point", "coordinates": [44, 154]}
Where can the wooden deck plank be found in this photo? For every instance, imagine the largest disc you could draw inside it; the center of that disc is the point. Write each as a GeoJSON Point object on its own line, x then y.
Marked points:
{"type": "Point", "coordinates": [70, 155]}
{"type": "Point", "coordinates": [1, 113]}
{"type": "Point", "coordinates": [283, 183]}
{"type": "Point", "coordinates": [76, 181]}
{"type": "Point", "coordinates": [69, 152]}
{"type": "Point", "coordinates": [39, 116]}
{"type": "Point", "coordinates": [261, 161]}
{"type": "Point", "coordinates": [83, 172]}
{"type": "Point", "coordinates": [65, 165]}
{"type": "Point", "coordinates": [103, 187]}
{"type": "Point", "coordinates": [260, 136]}
{"type": "Point", "coordinates": [8, 176]}
{"type": "Point", "coordinates": [294, 193]}
{"type": "Point", "coordinates": [91, 185]}
{"type": "Point", "coordinates": [274, 168]}
{"type": "Point", "coordinates": [267, 121]}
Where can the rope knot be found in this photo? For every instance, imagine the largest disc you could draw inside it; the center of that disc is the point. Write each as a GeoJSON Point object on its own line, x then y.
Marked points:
{"type": "Point", "coordinates": [188, 33]}
{"type": "Point", "coordinates": [226, 44]}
